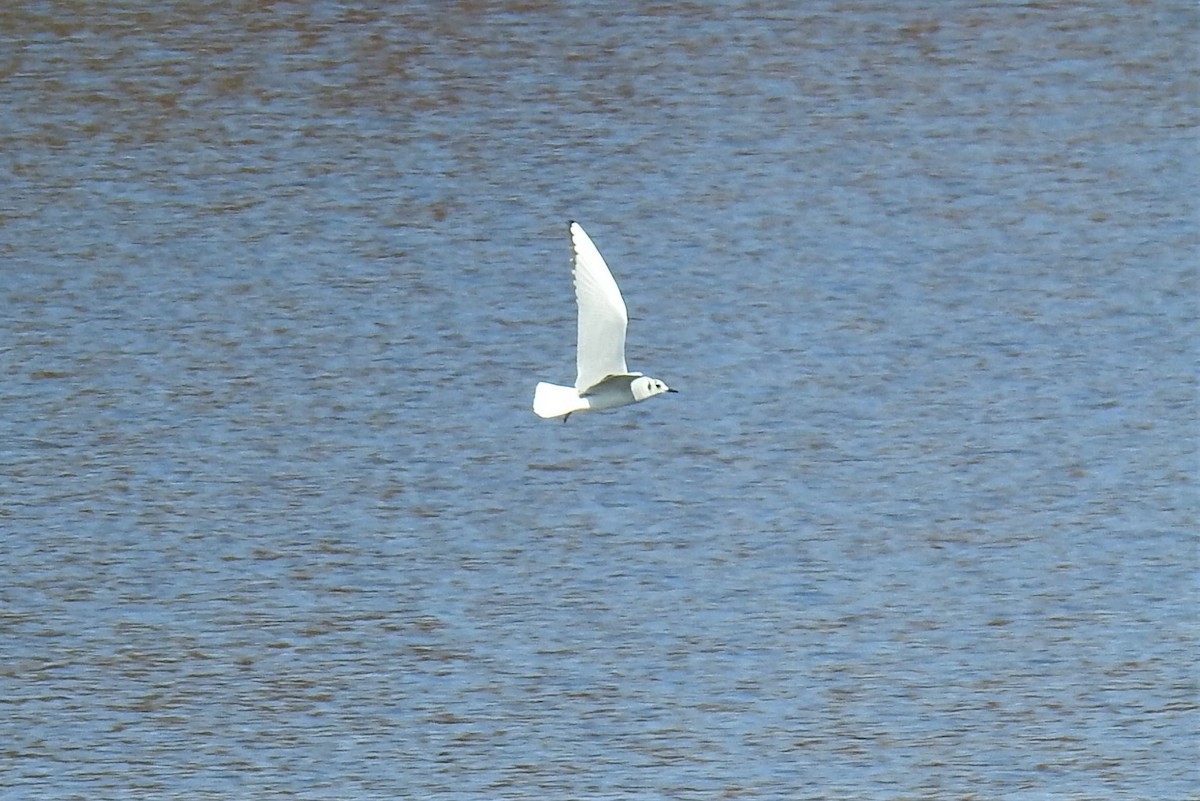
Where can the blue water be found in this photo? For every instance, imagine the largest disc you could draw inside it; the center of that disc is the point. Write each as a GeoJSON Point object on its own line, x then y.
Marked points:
{"type": "Point", "coordinates": [277, 520]}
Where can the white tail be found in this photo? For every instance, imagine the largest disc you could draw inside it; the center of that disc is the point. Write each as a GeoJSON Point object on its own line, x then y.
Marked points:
{"type": "Point", "coordinates": [551, 400]}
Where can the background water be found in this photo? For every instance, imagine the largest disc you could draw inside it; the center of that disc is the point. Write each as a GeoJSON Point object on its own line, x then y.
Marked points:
{"type": "Point", "coordinates": [279, 278]}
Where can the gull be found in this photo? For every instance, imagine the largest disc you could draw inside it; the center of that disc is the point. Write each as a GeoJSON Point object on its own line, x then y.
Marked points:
{"type": "Point", "coordinates": [603, 381]}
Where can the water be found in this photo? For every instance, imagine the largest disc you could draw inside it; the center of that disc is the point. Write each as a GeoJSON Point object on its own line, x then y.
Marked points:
{"type": "Point", "coordinates": [277, 521]}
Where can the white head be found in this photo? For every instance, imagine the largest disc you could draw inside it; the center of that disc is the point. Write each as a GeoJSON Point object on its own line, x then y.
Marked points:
{"type": "Point", "coordinates": [646, 387]}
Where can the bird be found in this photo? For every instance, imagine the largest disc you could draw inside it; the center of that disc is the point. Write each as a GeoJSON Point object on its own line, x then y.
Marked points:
{"type": "Point", "coordinates": [603, 381]}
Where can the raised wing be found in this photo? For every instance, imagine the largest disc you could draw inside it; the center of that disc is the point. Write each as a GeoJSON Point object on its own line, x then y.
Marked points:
{"type": "Point", "coordinates": [602, 315]}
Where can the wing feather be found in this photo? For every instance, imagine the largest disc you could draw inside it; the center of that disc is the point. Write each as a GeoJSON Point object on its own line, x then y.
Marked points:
{"type": "Point", "coordinates": [602, 315]}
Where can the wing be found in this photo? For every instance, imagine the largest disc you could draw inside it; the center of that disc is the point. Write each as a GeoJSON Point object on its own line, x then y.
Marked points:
{"type": "Point", "coordinates": [602, 315]}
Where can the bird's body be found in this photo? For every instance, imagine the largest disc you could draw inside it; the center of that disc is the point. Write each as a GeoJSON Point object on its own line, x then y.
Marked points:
{"type": "Point", "coordinates": [602, 381]}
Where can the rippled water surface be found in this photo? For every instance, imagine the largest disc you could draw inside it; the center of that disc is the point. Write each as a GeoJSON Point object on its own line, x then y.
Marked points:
{"type": "Point", "coordinates": [278, 280]}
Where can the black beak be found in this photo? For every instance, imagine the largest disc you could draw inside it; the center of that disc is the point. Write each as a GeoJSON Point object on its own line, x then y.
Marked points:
{"type": "Point", "coordinates": [672, 390]}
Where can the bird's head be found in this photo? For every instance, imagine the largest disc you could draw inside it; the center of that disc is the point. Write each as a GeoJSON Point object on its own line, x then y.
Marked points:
{"type": "Point", "coordinates": [646, 387]}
